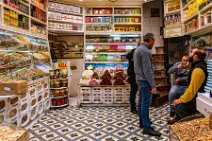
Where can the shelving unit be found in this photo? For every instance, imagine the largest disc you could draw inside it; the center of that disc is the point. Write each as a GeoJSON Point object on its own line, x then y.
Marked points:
{"type": "Point", "coordinates": [172, 18]}
{"type": "Point", "coordinates": [59, 83]}
{"type": "Point", "coordinates": [20, 16]}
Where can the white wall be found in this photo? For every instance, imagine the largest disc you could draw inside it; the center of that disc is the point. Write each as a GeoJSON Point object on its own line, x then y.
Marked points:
{"type": "Point", "coordinates": [153, 24]}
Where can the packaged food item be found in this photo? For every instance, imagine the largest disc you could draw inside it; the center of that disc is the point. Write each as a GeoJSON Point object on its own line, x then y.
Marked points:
{"type": "Point", "coordinates": [64, 83]}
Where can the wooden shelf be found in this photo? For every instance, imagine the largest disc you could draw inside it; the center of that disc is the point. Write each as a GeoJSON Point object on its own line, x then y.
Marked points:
{"type": "Point", "coordinates": [106, 62]}
{"type": "Point", "coordinates": [18, 11]}
{"type": "Point", "coordinates": [33, 4]}
{"type": "Point", "coordinates": [132, 15]}
{"type": "Point", "coordinates": [63, 12]}
{"type": "Point", "coordinates": [127, 23]}
{"type": "Point", "coordinates": [111, 43]}
{"type": "Point", "coordinates": [97, 23]}
{"type": "Point", "coordinates": [206, 8]}
{"type": "Point", "coordinates": [202, 30]}
{"type": "Point", "coordinates": [103, 15]}
{"type": "Point", "coordinates": [61, 21]}
{"type": "Point", "coordinates": [118, 53]}
{"type": "Point", "coordinates": [173, 12]}
{"type": "Point", "coordinates": [186, 6]}
{"type": "Point", "coordinates": [38, 21]}
{"type": "Point", "coordinates": [191, 17]}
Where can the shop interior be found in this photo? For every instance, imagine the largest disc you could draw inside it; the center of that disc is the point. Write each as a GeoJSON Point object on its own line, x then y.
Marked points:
{"type": "Point", "coordinates": [64, 70]}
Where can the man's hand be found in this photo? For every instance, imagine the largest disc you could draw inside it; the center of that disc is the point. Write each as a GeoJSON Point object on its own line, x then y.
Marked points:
{"type": "Point", "coordinates": [177, 81]}
{"type": "Point", "coordinates": [154, 91]}
{"type": "Point", "coordinates": [176, 102]}
{"type": "Point", "coordinates": [180, 66]}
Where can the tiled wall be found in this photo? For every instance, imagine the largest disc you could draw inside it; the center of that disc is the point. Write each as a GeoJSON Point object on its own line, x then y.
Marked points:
{"type": "Point", "coordinates": [153, 24]}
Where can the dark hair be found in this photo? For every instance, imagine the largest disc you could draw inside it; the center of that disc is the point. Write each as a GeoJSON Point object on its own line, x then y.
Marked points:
{"type": "Point", "coordinates": [148, 36]}
{"type": "Point", "coordinates": [185, 55]}
{"type": "Point", "coordinates": [201, 54]}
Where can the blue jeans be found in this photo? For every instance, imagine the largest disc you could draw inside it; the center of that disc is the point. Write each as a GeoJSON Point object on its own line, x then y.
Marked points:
{"type": "Point", "coordinates": [175, 92]}
{"type": "Point", "coordinates": [133, 92]}
{"type": "Point", "coordinates": [145, 99]}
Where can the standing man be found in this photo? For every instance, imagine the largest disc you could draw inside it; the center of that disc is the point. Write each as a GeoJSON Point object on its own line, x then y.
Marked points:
{"type": "Point", "coordinates": [144, 76]}
{"type": "Point", "coordinates": [186, 104]}
{"type": "Point", "coordinates": [132, 81]}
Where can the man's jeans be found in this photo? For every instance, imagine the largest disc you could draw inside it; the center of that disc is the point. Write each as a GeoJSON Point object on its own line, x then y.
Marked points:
{"type": "Point", "coordinates": [175, 92]}
{"type": "Point", "coordinates": [145, 99]}
{"type": "Point", "coordinates": [133, 92]}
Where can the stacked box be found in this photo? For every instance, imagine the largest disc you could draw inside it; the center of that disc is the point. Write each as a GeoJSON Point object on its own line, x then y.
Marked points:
{"type": "Point", "coordinates": [107, 95]}
{"type": "Point", "coordinates": [86, 95]}
{"type": "Point", "coordinates": [127, 94]}
{"type": "Point", "coordinates": [119, 95]}
{"type": "Point", "coordinates": [3, 109]}
{"type": "Point", "coordinates": [97, 94]}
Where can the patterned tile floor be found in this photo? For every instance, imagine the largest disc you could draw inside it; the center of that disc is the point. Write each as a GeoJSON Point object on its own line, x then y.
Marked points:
{"type": "Point", "coordinates": [97, 124]}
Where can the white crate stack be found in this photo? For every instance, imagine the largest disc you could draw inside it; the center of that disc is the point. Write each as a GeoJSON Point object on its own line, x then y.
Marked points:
{"type": "Point", "coordinates": [127, 94]}
{"type": "Point", "coordinates": [22, 109]}
{"type": "Point", "coordinates": [119, 95]}
{"type": "Point", "coordinates": [107, 95]}
{"type": "Point", "coordinates": [86, 95]}
{"type": "Point", "coordinates": [97, 95]}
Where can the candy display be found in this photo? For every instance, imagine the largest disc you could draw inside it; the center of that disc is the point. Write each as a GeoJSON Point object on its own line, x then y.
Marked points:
{"type": "Point", "coordinates": [98, 19]}
{"type": "Point", "coordinates": [38, 29]}
{"type": "Point", "coordinates": [52, 6]}
{"type": "Point", "coordinates": [127, 20]}
{"type": "Point", "coordinates": [40, 3]}
{"type": "Point", "coordinates": [93, 82]}
{"type": "Point", "coordinates": [205, 18]}
{"type": "Point", "coordinates": [12, 18]}
{"type": "Point", "coordinates": [18, 4]}
{"type": "Point", "coordinates": [58, 73]}
{"type": "Point", "coordinates": [127, 11]}
{"type": "Point", "coordinates": [62, 26]}
{"type": "Point", "coordinates": [105, 57]}
{"type": "Point", "coordinates": [192, 25]}
{"type": "Point", "coordinates": [129, 28]}
{"type": "Point", "coordinates": [38, 13]}
{"type": "Point", "coordinates": [99, 11]}
{"type": "Point", "coordinates": [102, 27]}
{"type": "Point", "coordinates": [173, 6]}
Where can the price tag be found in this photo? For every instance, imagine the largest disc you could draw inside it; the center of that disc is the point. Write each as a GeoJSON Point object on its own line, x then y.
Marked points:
{"type": "Point", "coordinates": [7, 89]}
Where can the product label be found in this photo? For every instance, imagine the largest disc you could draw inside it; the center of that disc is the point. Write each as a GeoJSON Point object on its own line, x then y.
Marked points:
{"type": "Point", "coordinates": [7, 89]}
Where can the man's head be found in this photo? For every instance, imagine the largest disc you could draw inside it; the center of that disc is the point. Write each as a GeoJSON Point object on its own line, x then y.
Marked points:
{"type": "Point", "coordinates": [185, 59]}
{"type": "Point", "coordinates": [149, 40]}
{"type": "Point", "coordinates": [197, 55]}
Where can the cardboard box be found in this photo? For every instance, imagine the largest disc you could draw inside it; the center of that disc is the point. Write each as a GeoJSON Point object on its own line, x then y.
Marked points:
{"type": "Point", "coordinates": [13, 87]}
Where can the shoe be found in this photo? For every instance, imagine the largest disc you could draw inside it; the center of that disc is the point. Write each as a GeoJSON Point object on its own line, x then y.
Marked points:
{"type": "Point", "coordinates": [152, 132]}
{"type": "Point", "coordinates": [171, 121]}
{"type": "Point", "coordinates": [141, 126]}
{"type": "Point", "coordinates": [134, 112]}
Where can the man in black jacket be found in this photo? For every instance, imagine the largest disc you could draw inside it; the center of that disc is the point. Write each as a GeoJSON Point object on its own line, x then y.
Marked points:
{"type": "Point", "coordinates": [132, 81]}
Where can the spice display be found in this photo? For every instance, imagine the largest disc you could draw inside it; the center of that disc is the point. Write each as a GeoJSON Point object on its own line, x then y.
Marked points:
{"type": "Point", "coordinates": [194, 130]}
{"type": "Point", "coordinates": [130, 28]}
{"type": "Point", "coordinates": [99, 11]}
{"type": "Point", "coordinates": [127, 11]}
{"type": "Point", "coordinates": [18, 4]}
{"type": "Point", "coordinates": [98, 19]}
{"type": "Point", "coordinates": [38, 13]}
{"type": "Point", "coordinates": [64, 8]}
{"type": "Point", "coordinates": [12, 18]}
{"type": "Point", "coordinates": [62, 26]}
{"type": "Point", "coordinates": [102, 27]}
{"type": "Point", "coordinates": [127, 20]}
{"type": "Point", "coordinates": [38, 29]}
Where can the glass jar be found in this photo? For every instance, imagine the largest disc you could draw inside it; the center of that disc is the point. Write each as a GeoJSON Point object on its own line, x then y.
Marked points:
{"type": "Point", "coordinates": [62, 92]}
{"type": "Point", "coordinates": [56, 83]}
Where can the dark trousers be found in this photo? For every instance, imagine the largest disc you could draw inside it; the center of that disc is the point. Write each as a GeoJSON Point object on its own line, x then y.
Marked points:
{"type": "Point", "coordinates": [145, 99]}
{"type": "Point", "coordinates": [133, 92]}
{"type": "Point", "coordinates": [185, 109]}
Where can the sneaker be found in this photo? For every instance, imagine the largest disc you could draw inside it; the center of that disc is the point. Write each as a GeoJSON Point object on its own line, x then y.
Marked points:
{"type": "Point", "coordinates": [152, 132]}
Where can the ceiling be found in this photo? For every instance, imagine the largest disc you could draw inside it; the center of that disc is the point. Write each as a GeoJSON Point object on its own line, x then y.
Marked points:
{"type": "Point", "coordinates": [107, 2]}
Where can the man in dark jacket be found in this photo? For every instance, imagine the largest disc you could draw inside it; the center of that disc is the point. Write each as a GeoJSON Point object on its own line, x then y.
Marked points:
{"type": "Point", "coordinates": [181, 83]}
{"type": "Point", "coordinates": [186, 104]}
{"type": "Point", "coordinates": [132, 81]}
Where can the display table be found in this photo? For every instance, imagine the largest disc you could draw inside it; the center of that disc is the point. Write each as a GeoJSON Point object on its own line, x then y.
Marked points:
{"type": "Point", "coordinates": [104, 95]}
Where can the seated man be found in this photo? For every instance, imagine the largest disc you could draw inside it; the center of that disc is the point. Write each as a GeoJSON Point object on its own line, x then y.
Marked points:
{"type": "Point", "coordinates": [186, 104]}
{"type": "Point", "coordinates": [181, 83]}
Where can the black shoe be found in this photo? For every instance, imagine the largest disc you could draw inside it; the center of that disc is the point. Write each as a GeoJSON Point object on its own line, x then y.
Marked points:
{"type": "Point", "coordinates": [152, 133]}
{"type": "Point", "coordinates": [134, 112]}
{"type": "Point", "coordinates": [141, 126]}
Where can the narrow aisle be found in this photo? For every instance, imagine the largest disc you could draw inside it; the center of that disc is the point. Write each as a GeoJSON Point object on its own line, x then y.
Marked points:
{"type": "Point", "coordinates": [96, 124]}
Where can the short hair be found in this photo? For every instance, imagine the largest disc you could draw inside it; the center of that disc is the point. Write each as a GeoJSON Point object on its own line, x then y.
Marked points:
{"type": "Point", "coordinates": [185, 55]}
{"type": "Point", "coordinates": [148, 36]}
{"type": "Point", "coordinates": [201, 54]}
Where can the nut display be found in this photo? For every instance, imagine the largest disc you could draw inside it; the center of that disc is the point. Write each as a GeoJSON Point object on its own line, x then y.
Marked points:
{"type": "Point", "coordinates": [194, 130]}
